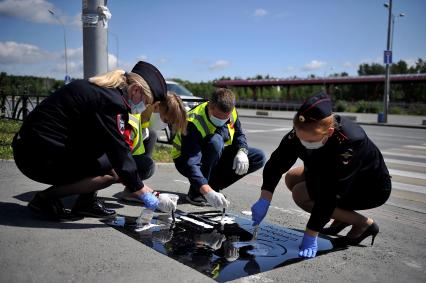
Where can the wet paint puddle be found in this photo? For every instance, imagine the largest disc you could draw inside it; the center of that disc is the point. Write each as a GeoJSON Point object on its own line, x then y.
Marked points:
{"type": "Point", "coordinates": [222, 251]}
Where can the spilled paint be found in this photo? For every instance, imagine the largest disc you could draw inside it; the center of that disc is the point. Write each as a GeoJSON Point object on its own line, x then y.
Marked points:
{"type": "Point", "coordinates": [221, 251]}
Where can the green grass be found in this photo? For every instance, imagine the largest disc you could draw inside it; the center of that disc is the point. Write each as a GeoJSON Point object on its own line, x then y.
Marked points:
{"type": "Point", "coordinates": [162, 153]}
{"type": "Point", "coordinates": [8, 128]}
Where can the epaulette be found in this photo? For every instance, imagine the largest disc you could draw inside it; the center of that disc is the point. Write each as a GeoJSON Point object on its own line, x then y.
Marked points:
{"type": "Point", "coordinates": [291, 135]}
{"type": "Point", "coordinates": [341, 138]}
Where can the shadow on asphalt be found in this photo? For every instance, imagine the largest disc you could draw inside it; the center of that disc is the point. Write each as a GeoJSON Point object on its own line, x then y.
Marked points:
{"type": "Point", "coordinates": [17, 215]}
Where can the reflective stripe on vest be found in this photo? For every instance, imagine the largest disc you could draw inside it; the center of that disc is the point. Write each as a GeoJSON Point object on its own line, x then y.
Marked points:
{"type": "Point", "coordinates": [136, 135]}
{"type": "Point", "coordinates": [199, 118]}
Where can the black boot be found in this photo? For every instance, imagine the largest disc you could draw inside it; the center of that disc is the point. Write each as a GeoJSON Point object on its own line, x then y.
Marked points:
{"type": "Point", "coordinates": [89, 205]}
{"type": "Point", "coordinates": [52, 208]}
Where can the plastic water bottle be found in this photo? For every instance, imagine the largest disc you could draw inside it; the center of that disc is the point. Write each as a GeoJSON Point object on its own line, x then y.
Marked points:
{"type": "Point", "coordinates": [145, 217]}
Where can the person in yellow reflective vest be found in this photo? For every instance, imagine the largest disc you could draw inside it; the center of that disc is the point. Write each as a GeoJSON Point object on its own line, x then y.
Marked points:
{"type": "Point", "coordinates": [214, 153]}
{"type": "Point", "coordinates": [140, 133]}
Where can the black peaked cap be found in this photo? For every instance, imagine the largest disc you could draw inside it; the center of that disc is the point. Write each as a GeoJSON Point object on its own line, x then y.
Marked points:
{"type": "Point", "coordinates": [315, 108]}
{"type": "Point", "coordinates": [154, 78]}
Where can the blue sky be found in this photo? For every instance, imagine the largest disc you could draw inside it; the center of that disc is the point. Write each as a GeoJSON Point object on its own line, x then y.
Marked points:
{"type": "Point", "coordinates": [203, 40]}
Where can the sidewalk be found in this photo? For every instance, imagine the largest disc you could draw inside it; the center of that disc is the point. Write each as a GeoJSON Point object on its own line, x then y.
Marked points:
{"type": "Point", "coordinates": [410, 121]}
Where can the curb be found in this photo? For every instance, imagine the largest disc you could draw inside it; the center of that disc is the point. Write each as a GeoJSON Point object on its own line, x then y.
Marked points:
{"type": "Point", "coordinates": [361, 123]}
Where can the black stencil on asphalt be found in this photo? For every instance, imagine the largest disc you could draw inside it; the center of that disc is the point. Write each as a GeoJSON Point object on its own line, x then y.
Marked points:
{"type": "Point", "coordinates": [221, 252]}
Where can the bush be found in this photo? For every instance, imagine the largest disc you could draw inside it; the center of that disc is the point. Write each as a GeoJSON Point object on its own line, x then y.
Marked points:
{"type": "Point", "coordinates": [8, 128]}
{"type": "Point", "coordinates": [340, 106]}
{"type": "Point", "coordinates": [363, 106]}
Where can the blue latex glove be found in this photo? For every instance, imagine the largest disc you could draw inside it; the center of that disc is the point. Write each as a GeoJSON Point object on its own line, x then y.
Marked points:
{"type": "Point", "coordinates": [259, 210]}
{"type": "Point", "coordinates": [150, 200]}
{"type": "Point", "coordinates": [309, 246]}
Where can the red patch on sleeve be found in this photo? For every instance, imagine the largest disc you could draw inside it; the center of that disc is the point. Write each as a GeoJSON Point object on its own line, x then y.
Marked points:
{"type": "Point", "coordinates": [121, 124]}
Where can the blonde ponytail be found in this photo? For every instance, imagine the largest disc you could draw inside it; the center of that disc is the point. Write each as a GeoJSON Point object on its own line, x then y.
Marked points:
{"type": "Point", "coordinates": [175, 112]}
{"type": "Point", "coordinates": [111, 79]}
{"type": "Point", "coordinates": [121, 79]}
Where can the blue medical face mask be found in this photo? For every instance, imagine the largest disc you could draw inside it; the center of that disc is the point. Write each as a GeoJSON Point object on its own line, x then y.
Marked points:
{"type": "Point", "coordinates": [314, 145]}
{"type": "Point", "coordinates": [218, 122]}
{"type": "Point", "coordinates": [136, 108]}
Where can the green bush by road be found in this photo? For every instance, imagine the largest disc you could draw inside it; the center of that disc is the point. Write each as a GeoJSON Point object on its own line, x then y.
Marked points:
{"type": "Point", "coordinates": [8, 128]}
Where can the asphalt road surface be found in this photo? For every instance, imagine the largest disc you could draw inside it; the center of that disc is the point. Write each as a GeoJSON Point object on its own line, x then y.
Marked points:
{"type": "Point", "coordinates": [34, 250]}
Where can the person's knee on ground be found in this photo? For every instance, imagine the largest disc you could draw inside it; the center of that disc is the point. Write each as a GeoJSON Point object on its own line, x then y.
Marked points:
{"type": "Point", "coordinates": [146, 166]}
{"type": "Point", "coordinates": [301, 197]}
{"type": "Point", "coordinates": [294, 177]}
{"type": "Point", "coordinates": [256, 158]}
{"type": "Point", "coordinates": [213, 148]}
{"type": "Point", "coordinates": [149, 143]}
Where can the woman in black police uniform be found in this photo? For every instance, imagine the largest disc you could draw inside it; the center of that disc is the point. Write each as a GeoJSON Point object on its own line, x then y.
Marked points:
{"type": "Point", "coordinates": [342, 171]}
{"type": "Point", "coordinates": [73, 141]}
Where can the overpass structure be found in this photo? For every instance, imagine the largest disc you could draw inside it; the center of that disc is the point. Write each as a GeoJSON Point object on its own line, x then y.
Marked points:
{"type": "Point", "coordinates": [376, 79]}
{"type": "Point", "coordinates": [328, 83]}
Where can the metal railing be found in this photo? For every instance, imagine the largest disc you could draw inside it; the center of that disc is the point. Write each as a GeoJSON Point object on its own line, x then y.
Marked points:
{"type": "Point", "coordinates": [17, 107]}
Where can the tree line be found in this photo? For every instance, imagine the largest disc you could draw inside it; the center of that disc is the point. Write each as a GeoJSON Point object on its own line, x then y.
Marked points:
{"type": "Point", "coordinates": [406, 93]}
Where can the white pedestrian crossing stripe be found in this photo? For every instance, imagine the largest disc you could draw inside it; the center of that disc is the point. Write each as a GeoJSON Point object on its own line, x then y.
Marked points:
{"type": "Point", "coordinates": [413, 179]}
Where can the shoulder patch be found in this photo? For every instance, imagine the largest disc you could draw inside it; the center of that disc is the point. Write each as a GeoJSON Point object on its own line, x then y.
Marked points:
{"type": "Point", "coordinates": [121, 124]}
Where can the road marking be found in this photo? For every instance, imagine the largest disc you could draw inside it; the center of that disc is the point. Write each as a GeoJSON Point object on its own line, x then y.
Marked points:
{"type": "Point", "coordinates": [403, 154]}
{"type": "Point", "coordinates": [415, 147]}
{"type": "Point", "coordinates": [409, 187]}
{"type": "Point", "coordinates": [405, 162]}
{"type": "Point", "coordinates": [181, 181]}
{"type": "Point", "coordinates": [268, 130]}
{"type": "Point", "coordinates": [407, 174]}
{"type": "Point", "coordinates": [398, 137]}
{"type": "Point", "coordinates": [261, 124]}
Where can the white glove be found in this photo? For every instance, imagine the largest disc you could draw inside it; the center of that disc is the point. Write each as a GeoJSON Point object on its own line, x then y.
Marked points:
{"type": "Point", "coordinates": [213, 240]}
{"type": "Point", "coordinates": [216, 199]}
{"type": "Point", "coordinates": [231, 252]}
{"type": "Point", "coordinates": [241, 163]}
{"type": "Point", "coordinates": [166, 204]}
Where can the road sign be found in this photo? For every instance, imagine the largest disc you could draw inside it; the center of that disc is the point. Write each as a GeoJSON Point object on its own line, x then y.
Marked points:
{"type": "Point", "coordinates": [387, 57]}
{"type": "Point", "coordinates": [67, 79]}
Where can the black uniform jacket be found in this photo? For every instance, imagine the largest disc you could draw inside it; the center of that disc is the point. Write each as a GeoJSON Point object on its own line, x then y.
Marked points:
{"type": "Point", "coordinates": [87, 120]}
{"type": "Point", "coordinates": [346, 161]}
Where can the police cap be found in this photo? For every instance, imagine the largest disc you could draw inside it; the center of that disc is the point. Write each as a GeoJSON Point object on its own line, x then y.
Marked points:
{"type": "Point", "coordinates": [154, 78]}
{"type": "Point", "coordinates": [315, 108]}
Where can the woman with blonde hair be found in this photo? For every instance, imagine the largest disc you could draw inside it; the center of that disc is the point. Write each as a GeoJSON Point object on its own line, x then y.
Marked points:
{"type": "Point", "coordinates": [73, 141]}
{"type": "Point", "coordinates": [342, 171]}
{"type": "Point", "coordinates": [157, 116]}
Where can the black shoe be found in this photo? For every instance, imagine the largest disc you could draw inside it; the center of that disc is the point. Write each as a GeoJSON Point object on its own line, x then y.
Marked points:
{"type": "Point", "coordinates": [51, 208]}
{"type": "Point", "coordinates": [334, 229]}
{"type": "Point", "coordinates": [92, 208]}
{"type": "Point", "coordinates": [196, 199]}
{"type": "Point", "coordinates": [372, 231]}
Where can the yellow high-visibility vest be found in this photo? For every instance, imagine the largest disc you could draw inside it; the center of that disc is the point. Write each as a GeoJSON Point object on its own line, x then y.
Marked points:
{"type": "Point", "coordinates": [198, 117]}
{"type": "Point", "coordinates": [136, 133]}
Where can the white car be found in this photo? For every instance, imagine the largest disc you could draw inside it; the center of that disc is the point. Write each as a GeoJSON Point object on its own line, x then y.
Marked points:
{"type": "Point", "coordinates": [189, 101]}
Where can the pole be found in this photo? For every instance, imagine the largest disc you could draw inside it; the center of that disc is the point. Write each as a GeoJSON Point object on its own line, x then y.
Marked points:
{"type": "Point", "coordinates": [65, 44]}
{"type": "Point", "coordinates": [387, 77]}
{"type": "Point", "coordinates": [66, 56]}
{"type": "Point", "coordinates": [95, 44]}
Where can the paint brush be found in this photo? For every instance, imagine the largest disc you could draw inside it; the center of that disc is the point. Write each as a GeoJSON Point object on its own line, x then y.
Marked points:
{"type": "Point", "coordinates": [173, 220]}
{"type": "Point", "coordinates": [255, 231]}
{"type": "Point", "coordinates": [223, 215]}
{"type": "Point", "coordinates": [173, 216]}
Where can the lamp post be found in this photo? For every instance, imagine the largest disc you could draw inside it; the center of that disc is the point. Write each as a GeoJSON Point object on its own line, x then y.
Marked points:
{"type": "Point", "coordinates": [67, 78]}
{"type": "Point", "coordinates": [389, 46]}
